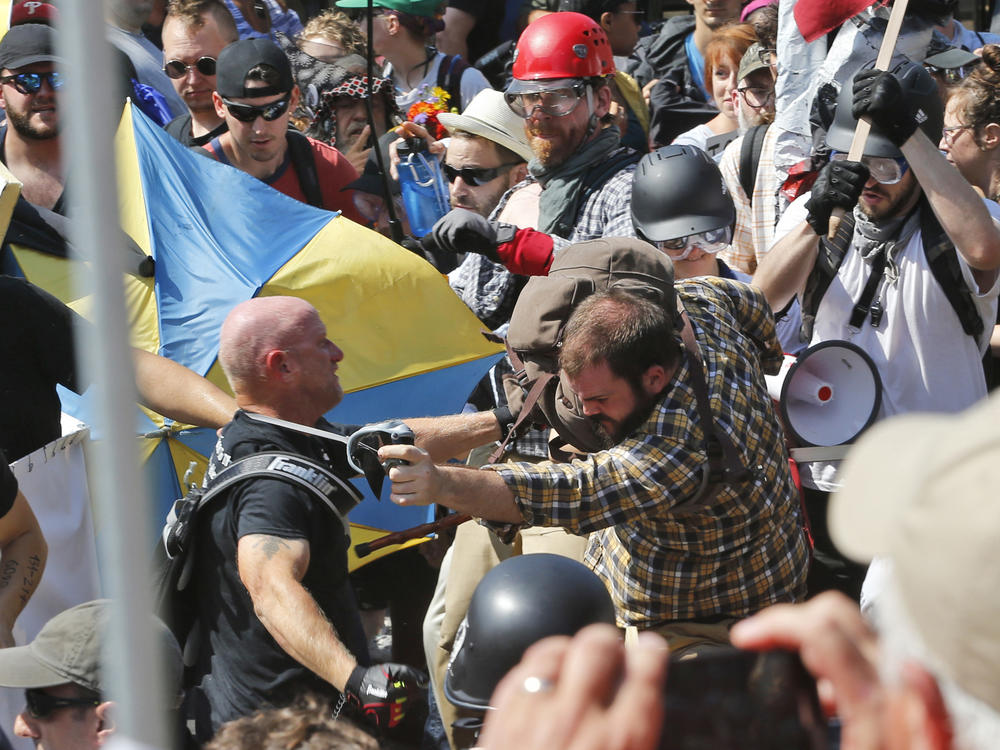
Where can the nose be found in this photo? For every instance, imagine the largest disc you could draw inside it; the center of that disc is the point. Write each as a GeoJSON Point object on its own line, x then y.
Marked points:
{"type": "Point", "coordinates": [22, 728]}
{"type": "Point", "coordinates": [336, 355]}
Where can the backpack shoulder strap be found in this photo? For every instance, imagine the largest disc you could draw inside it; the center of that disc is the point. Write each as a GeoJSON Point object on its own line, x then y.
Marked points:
{"type": "Point", "coordinates": [304, 162]}
{"type": "Point", "coordinates": [831, 255]}
{"type": "Point", "coordinates": [530, 400]}
{"type": "Point", "coordinates": [595, 178]}
{"type": "Point", "coordinates": [449, 78]}
{"type": "Point", "coordinates": [942, 257]}
{"type": "Point", "coordinates": [724, 463]}
{"type": "Point", "coordinates": [335, 493]}
{"type": "Point", "coordinates": [753, 144]}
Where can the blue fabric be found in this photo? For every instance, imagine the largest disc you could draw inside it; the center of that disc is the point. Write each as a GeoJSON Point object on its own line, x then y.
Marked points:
{"type": "Point", "coordinates": [696, 63]}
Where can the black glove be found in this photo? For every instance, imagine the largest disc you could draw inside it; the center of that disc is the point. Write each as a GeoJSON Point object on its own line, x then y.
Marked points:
{"type": "Point", "coordinates": [464, 231]}
{"type": "Point", "coordinates": [879, 96]}
{"type": "Point", "coordinates": [385, 693]}
{"type": "Point", "coordinates": [839, 184]}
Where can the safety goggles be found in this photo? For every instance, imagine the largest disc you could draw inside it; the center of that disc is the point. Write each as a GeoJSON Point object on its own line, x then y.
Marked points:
{"type": "Point", "coordinates": [712, 241]}
{"type": "Point", "coordinates": [249, 113]}
{"type": "Point", "coordinates": [557, 101]}
{"type": "Point", "coordinates": [179, 69]}
{"type": "Point", "coordinates": [31, 83]}
{"type": "Point", "coordinates": [476, 176]}
{"type": "Point", "coordinates": [41, 705]}
{"type": "Point", "coordinates": [884, 169]}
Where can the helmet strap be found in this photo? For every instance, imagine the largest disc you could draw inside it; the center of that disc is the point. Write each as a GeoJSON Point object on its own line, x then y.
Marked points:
{"type": "Point", "coordinates": [592, 121]}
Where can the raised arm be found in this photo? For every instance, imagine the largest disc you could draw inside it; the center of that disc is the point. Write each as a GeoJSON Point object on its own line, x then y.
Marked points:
{"type": "Point", "coordinates": [174, 391]}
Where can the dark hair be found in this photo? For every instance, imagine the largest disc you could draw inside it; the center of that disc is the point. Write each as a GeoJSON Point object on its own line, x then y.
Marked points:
{"type": "Point", "coordinates": [628, 332]}
{"type": "Point", "coordinates": [192, 14]}
{"type": "Point", "coordinates": [420, 27]}
{"type": "Point", "coordinates": [981, 105]}
{"type": "Point", "coordinates": [266, 73]}
{"type": "Point", "coordinates": [765, 22]}
{"type": "Point", "coordinates": [592, 8]}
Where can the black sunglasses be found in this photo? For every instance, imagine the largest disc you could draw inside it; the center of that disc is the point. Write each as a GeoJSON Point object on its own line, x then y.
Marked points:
{"type": "Point", "coordinates": [179, 69]}
{"type": "Point", "coordinates": [249, 113]}
{"type": "Point", "coordinates": [41, 704]}
{"type": "Point", "coordinates": [476, 176]}
{"type": "Point", "coordinates": [31, 83]}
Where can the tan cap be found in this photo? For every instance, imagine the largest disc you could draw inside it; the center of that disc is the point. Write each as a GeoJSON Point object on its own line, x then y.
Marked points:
{"type": "Point", "coordinates": [488, 115]}
{"type": "Point", "coordinates": [921, 491]}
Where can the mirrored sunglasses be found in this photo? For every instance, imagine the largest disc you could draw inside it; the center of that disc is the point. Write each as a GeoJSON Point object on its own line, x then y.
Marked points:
{"type": "Point", "coordinates": [41, 704]}
{"type": "Point", "coordinates": [711, 241]}
{"type": "Point", "coordinates": [179, 69]}
{"type": "Point", "coordinates": [884, 169]}
{"type": "Point", "coordinates": [249, 113]}
{"type": "Point", "coordinates": [951, 75]}
{"type": "Point", "coordinates": [476, 176]}
{"type": "Point", "coordinates": [554, 102]}
{"type": "Point", "coordinates": [31, 83]}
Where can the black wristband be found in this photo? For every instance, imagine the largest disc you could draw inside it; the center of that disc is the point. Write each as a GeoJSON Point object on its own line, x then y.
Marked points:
{"type": "Point", "coordinates": [504, 418]}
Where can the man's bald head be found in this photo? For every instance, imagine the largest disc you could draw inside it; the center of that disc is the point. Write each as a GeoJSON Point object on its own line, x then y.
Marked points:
{"type": "Point", "coordinates": [255, 328]}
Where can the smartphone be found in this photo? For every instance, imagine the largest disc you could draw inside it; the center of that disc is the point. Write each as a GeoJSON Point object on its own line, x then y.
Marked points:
{"type": "Point", "coordinates": [742, 700]}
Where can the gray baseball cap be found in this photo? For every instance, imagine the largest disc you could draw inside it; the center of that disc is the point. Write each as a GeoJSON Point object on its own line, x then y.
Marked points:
{"type": "Point", "coordinates": [68, 649]}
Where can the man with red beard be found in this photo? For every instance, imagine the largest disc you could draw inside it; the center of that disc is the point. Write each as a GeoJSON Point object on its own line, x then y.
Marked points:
{"type": "Point", "coordinates": [30, 142]}
{"type": "Point", "coordinates": [911, 275]}
{"type": "Point", "coordinates": [560, 90]}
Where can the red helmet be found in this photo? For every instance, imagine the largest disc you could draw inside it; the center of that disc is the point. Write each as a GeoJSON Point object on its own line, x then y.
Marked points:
{"type": "Point", "coordinates": [563, 45]}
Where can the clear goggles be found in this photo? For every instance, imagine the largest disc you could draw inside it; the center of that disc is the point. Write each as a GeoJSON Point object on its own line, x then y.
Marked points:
{"type": "Point", "coordinates": [553, 98]}
{"type": "Point", "coordinates": [712, 241]}
{"type": "Point", "coordinates": [884, 169]}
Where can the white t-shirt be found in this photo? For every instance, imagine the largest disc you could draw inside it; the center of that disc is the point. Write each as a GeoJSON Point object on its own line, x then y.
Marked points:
{"type": "Point", "coordinates": [472, 83]}
{"type": "Point", "coordinates": [925, 359]}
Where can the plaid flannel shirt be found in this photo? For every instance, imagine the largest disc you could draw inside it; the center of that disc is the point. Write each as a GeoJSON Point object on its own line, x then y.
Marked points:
{"type": "Point", "coordinates": [732, 553]}
{"type": "Point", "coordinates": [607, 212]}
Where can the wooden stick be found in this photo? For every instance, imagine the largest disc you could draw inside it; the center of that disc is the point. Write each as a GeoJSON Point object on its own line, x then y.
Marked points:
{"type": "Point", "coordinates": [398, 537]}
{"type": "Point", "coordinates": [864, 124]}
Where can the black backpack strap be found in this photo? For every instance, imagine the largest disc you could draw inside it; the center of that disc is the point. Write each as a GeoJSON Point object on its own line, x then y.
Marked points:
{"type": "Point", "coordinates": [831, 255]}
{"type": "Point", "coordinates": [304, 163]}
{"type": "Point", "coordinates": [338, 495]}
{"type": "Point", "coordinates": [449, 78]}
{"type": "Point", "coordinates": [595, 178]}
{"type": "Point", "coordinates": [942, 257]}
{"type": "Point", "coordinates": [724, 463]}
{"type": "Point", "coordinates": [753, 144]}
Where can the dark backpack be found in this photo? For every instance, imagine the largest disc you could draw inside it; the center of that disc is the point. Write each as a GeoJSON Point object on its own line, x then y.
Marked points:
{"type": "Point", "coordinates": [536, 331]}
{"type": "Point", "coordinates": [449, 78]}
{"type": "Point", "coordinates": [750, 148]}
{"type": "Point", "coordinates": [175, 554]}
{"type": "Point", "coordinates": [941, 257]}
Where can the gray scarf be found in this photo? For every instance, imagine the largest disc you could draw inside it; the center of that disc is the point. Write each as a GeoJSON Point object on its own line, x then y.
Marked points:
{"type": "Point", "coordinates": [888, 236]}
{"type": "Point", "coordinates": [562, 185]}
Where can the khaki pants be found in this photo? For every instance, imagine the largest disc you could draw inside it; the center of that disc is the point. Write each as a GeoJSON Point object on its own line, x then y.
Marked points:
{"type": "Point", "coordinates": [689, 640]}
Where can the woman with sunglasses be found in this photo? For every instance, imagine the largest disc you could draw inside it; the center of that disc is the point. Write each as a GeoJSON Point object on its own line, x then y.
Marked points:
{"type": "Point", "coordinates": [722, 61]}
{"type": "Point", "coordinates": [403, 32]}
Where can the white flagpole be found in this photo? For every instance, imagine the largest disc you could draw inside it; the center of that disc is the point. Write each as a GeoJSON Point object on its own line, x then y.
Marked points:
{"type": "Point", "coordinates": [89, 112]}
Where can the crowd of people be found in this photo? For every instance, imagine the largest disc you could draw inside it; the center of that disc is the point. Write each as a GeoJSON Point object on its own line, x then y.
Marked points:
{"type": "Point", "coordinates": [653, 212]}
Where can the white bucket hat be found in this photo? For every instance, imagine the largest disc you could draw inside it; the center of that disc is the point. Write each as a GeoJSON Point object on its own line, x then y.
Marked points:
{"type": "Point", "coordinates": [488, 116]}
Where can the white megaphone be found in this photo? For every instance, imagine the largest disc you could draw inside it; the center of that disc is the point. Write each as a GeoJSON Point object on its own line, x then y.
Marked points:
{"type": "Point", "coordinates": [828, 395]}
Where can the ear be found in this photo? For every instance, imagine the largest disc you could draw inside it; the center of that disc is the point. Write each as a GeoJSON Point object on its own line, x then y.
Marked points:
{"type": "Point", "coordinates": [391, 23]}
{"type": "Point", "coordinates": [105, 721]}
{"type": "Point", "coordinates": [655, 379]}
{"type": "Point", "coordinates": [294, 100]}
{"type": "Point", "coordinates": [607, 20]}
{"type": "Point", "coordinates": [277, 364]}
{"type": "Point", "coordinates": [220, 108]}
{"type": "Point", "coordinates": [926, 713]}
{"type": "Point", "coordinates": [517, 174]}
{"type": "Point", "coordinates": [603, 104]}
{"type": "Point", "coordinates": [989, 138]}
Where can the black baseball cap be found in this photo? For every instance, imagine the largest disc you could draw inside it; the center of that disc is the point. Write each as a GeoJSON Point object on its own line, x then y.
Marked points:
{"type": "Point", "coordinates": [27, 44]}
{"type": "Point", "coordinates": [237, 59]}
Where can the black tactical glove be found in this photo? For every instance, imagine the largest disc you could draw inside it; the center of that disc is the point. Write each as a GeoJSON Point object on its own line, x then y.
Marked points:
{"type": "Point", "coordinates": [464, 231]}
{"type": "Point", "coordinates": [385, 693]}
{"type": "Point", "coordinates": [879, 96]}
{"type": "Point", "coordinates": [839, 184]}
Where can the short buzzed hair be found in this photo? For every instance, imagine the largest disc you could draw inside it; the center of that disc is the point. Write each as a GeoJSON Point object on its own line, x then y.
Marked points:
{"type": "Point", "coordinates": [192, 14]}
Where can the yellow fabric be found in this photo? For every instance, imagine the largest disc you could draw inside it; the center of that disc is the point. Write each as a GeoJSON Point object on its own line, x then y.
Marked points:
{"type": "Point", "coordinates": [632, 94]}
